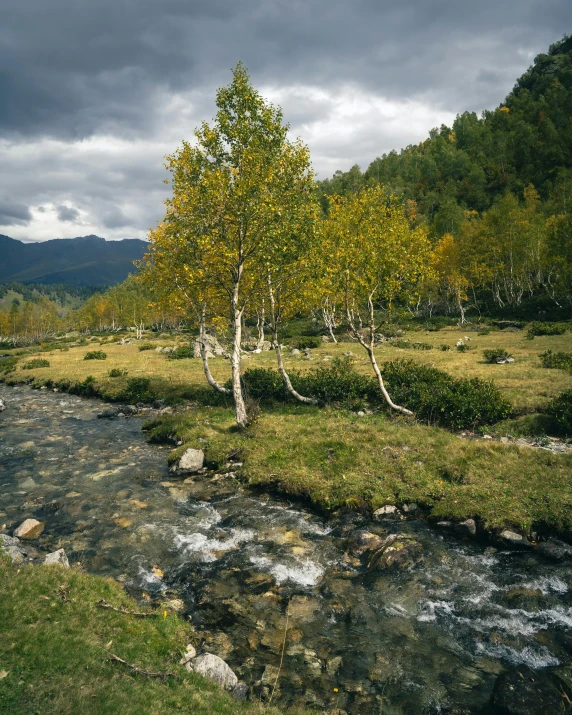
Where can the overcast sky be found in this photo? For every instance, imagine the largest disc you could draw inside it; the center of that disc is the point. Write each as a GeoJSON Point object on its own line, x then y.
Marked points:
{"type": "Point", "coordinates": [95, 93]}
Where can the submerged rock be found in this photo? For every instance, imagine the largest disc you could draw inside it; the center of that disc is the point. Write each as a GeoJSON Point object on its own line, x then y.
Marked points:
{"type": "Point", "coordinates": [214, 668]}
{"type": "Point", "coordinates": [397, 552]}
{"type": "Point", "coordinates": [523, 691]}
{"type": "Point", "coordinates": [29, 529]}
{"type": "Point", "coordinates": [57, 557]}
{"type": "Point", "coordinates": [555, 549]}
{"type": "Point", "coordinates": [360, 542]}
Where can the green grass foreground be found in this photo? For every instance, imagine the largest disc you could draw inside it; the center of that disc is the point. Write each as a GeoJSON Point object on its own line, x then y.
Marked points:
{"type": "Point", "coordinates": [55, 648]}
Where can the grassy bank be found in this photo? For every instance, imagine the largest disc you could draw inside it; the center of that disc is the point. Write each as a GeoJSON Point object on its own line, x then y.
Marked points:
{"type": "Point", "coordinates": [336, 458]}
{"type": "Point", "coordinates": [56, 646]}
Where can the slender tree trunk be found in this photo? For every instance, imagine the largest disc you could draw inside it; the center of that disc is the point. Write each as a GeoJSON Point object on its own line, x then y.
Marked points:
{"type": "Point", "coordinates": [236, 317]}
{"type": "Point", "coordinates": [329, 315]}
{"type": "Point", "coordinates": [260, 326]}
{"type": "Point", "coordinates": [368, 347]}
{"type": "Point", "coordinates": [202, 343]}
{"type": "Point", "coordinates": [278, 350]}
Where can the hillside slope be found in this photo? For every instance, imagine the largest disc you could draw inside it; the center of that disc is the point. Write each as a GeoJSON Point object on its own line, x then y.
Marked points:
{"type": "Point", "coordinates": [86, 260]}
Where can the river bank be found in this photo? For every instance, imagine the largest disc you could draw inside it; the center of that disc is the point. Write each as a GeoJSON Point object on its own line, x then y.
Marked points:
{"type": "Point", "coordinates": [367, 606]}
{"type": "Point", "coordinates": [509, 477]}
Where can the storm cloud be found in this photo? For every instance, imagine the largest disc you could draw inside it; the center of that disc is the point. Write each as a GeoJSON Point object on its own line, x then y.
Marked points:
{"type": "Point", "coordinates": [95, 94]}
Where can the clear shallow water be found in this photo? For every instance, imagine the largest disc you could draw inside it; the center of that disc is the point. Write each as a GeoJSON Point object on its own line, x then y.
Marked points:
{"type": "Point", "coordinates": [425, 639]}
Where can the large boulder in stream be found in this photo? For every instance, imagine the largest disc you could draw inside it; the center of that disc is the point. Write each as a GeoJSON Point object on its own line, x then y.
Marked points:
{"type": "Point", "coordinates": [191, 461]}
{"type": "Point", "coordinates": [29, 529]}
{"type": "Point", "coordinates": [524, 691]}
{"type": "Point", "coordinates": [2, 406]}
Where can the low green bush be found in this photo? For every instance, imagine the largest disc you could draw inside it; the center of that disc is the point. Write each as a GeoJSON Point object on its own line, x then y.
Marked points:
{"type": "Point", "coordinates": [422, 346]}
{"type": "Point", "coordinates": [433, 395]}
{"type": "Point", "coordinates": [84, 388]}
{"type": "Point", "coordinates": [36, 362]}
{"type": "Point", "coordinates": [181, 353]}
{"type": "Point", "coordinates": [146, 346]}
{"type": "Point", "coordinates": [495, 354]}
{"type": "Point", "coordinates": [560, 409]}
{"type": "Point", "coordinates": [463, 348]}
{"type": "Point", "coordinates": [305, 341]}
{"type": "Point", "coordinates": [444, 348]}
{"type": "Point", "coordinates": [438, 398]}
{"type": "Point", "coordinates": [117, 372]}
{"type": "Point", "coordinates": [538, 328]}
{"type": "Point", "coordinates": [95, 355]}
{"type": "Point", "coordinates": [560, 360]}
{"type": "Point", "coordinates": [404, 344]}
{"type": "Point", "coordinates": [138, 389]}
{"type": "Point", "coordinates": [8, 364]}
{"type": "Point", "coordinates": [390, 331]}
{"type": "Point", "coordinates": [335, 382]}
{"type": "Point", "coordinates": [262, 383]}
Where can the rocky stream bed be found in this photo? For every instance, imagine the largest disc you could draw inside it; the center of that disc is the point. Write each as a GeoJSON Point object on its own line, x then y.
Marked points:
{"type": "Point", "coordinates": [390, 616]}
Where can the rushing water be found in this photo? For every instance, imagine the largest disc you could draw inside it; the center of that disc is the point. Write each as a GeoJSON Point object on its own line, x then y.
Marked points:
{"type": "Point", "coordinates": [426, 638]}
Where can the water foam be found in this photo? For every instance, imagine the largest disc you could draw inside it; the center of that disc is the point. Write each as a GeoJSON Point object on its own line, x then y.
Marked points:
{"type": "Point", "coordinates": [207, 548]}
{"type": "Point", "coordinates": [304, 573]}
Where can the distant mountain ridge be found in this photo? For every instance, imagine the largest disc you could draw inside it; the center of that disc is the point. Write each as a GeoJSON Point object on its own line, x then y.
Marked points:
{"type": "Point", "coordinates": [81, 261]}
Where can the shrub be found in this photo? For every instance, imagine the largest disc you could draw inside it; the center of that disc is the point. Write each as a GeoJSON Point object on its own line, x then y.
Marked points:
{"type": "Point", "coordinates": [444, 348]}
{"type": "Point", "coordinates": [537, 328]}
{"type": "Point", "coordinates": [504, 324]}
{"type": "Point", "coordinates": [391, 331]}
{"type": "Point", "coordinates": [463, 348]}
{"type": "Point", "coordinates": [404, 344]}
{"type": "Point", "coordinates": [117, 372]}
{"type": "Point", "coordinates": [8, 364]}
{"type": "Point", "coordinates": [432, 394]}
{"type": "Point", "coordinates": [146, 346]}
{"type": "Point", "coordinates": [95, 355]}
{"type": "Point", "coordinates": [496, 354]}
{"type": "Point", "coordinates": [561, 361]}
{"type": "Point", "coordinates": [484, 331]}
{"type": "Point", "coordinates": [560, 409]}
{"type": "Point", "coordinates": [306, 341]}
{"type": "Point", "coordinates": [262, 383]}
{"type": "Point", "coordinates": [180, 353]}
{"type": "Point", "coordinates": [437, 397]}
{"type": "Point", "coordinates": [422, 346]}
{"type": "Point", "coordinates": [36, 362]}
{"type": "Point", "coordinates": [335, 382]}
{"type": "Point", "coordinates": [138, 389]}
{"type": "Point", "coordinates": [85, 388]}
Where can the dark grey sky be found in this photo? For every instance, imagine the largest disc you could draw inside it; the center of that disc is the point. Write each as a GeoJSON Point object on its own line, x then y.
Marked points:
{"type": "Point", "coordinates": [94, 94]}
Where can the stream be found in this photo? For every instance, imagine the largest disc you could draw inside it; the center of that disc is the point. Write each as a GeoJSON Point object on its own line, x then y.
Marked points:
{"type": "Point", "coordinates": [428, 635]}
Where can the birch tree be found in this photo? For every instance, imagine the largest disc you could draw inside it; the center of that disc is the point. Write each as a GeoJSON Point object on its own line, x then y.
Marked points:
{"type": "Point", "coordinates": [374, 258]}
{"type": "Point", "coordinates": [235, 192]}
